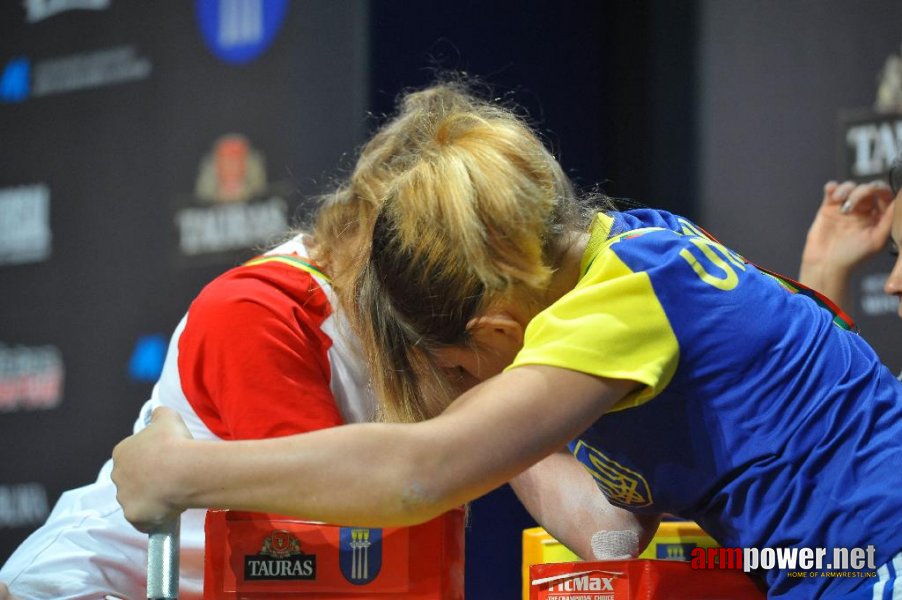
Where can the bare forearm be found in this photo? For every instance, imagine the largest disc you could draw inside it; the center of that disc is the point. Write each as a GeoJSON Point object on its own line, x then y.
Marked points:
{"type": "Point", "coordinates": [391, 474]}
{"type": "Point", "coordinates": [830, 280]}
{"type": "Point", "coordinates": [366, 474]}
{"type": "Point", "coordinates": [562, 496]}
{"type": "Point", "coordinates": [301, 476]}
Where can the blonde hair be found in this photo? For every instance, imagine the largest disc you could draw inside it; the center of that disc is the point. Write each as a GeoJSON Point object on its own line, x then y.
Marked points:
{"type": "Point", "coordinates": [344, 219]}
{"type": "Point", "coordinates": [475, 208]}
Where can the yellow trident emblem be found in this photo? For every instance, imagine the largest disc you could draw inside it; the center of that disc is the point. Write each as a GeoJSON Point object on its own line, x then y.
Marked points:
{"type": "Point", "coordinates": [621, 485]}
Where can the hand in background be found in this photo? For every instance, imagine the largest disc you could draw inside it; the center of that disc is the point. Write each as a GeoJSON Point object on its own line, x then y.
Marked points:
{"type": "Point", "coordinates": [5, 594]}
{"type": "Point", "coordinates": [851, 225]}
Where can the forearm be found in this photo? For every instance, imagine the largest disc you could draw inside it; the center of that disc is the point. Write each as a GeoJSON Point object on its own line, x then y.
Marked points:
{"type": "Point", "coordinates": [373, 474]}
{"type": "Point", "coordinates": [830, 280]}
{"type": "Point", "coordinates": [562, 496]}
{"type": "Point", "coordinates": [367, 474]}
{"type": "Point", "coordinates": [287, 476]}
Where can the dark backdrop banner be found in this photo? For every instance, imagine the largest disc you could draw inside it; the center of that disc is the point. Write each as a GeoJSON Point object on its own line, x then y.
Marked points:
{"type": "Point", "coordinates": [146, 147]}
{"type": "Point", "coordinates": [786, 105]}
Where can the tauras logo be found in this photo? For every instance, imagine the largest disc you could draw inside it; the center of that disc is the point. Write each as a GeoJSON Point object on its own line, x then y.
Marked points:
{"type": "Point", "coordinates": [233, 207]}
{"type": "Point", "coordinates": [873, 139]}
{"type": "Point", "coordinates": [874, 145]}
{"type": "Point", "coordinates": [222, 228]}
{"type": "Point", "coordinates": [293, 567]}
{"type": "Point", "coordinates": [280, 558]}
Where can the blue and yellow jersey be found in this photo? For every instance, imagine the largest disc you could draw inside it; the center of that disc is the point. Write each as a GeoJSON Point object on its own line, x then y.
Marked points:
{"type": "Point", "coordinates": [757, 414]}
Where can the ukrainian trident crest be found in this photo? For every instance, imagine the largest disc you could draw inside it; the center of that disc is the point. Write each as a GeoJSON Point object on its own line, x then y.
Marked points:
{"type": "Point", "coordinates": [360, 554]}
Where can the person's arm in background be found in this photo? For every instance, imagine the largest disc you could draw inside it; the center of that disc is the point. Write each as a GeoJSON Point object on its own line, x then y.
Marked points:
{"type": "Point", "coordinates": [5, 594]}
{"type": "Point", "coordinates": [851, 225]}
{"type": "Point", "coordinates": [560, 494]}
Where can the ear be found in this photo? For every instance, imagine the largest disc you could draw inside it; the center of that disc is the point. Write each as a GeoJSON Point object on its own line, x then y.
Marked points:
{"type": "Point", "coordinates": [497, 329]}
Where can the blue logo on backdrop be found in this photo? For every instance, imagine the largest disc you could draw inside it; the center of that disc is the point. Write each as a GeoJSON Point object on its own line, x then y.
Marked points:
{"type": "Point", "coordinates": [238, 31]}
{"type": "Point", "coordinates": [16, 80]}
{"type": "Point", "coordinates": [146, 362]}
{"type": "Point", "coordinates": [360, 553]}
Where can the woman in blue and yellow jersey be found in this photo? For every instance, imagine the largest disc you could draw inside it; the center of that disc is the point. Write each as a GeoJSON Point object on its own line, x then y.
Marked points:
{"type": "Point", "coordinates": [686, 380]}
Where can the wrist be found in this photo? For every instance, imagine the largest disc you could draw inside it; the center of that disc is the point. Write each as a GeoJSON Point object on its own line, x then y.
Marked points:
{"type": "Point", "coordinates": [832, 282]}
{"type": "Point", "coordinates": [180, 479]}
{"type": "Point", "coordinates": [822, 276]}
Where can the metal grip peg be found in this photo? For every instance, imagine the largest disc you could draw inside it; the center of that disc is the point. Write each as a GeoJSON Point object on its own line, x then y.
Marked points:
{"type": "Point", "coordinates": [163, 561]}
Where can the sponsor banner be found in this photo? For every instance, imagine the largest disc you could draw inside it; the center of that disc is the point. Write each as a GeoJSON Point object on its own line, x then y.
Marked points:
{"type": "Point", "coordinates": [21, 79]}
{"type": "Point", "coordinates": [221, 229]}
{"type": "Point", "coordinates": [280, 559]}
{"type": "Point", "coordinates": [868, 140]}
{"type": "Point", "coordinates": [872, 298]}
{"type": "Point", "coordinates": [23, 505]}
{"type": "Point", "coordinates": [634, 579]}
{"type": "Point", "coordinates": [239, 31]}
{"type": "Point", "coordinates": [234, 208]}
{"type": "Point", "coordinates": [263, 555]}
{"type": "Point", "coordinates": [24, 224]}
{"type": "Point", "coordinates": [38, 10]}
{"type": "Point", "coordinates": [31, 378]}
{"type": "Point", "coordinates": [674, 540]}
{"type": "Point", "coordinates": [88, 70]}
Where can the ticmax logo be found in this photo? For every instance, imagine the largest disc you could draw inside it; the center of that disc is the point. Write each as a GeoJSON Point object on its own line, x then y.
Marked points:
{"type": "Point", "coordinates": [238, 31]}
{"type": "Point", "coordinates": [15, 81]}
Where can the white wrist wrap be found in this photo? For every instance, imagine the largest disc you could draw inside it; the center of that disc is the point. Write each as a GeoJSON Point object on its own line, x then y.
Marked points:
{"type": "Point", "coordinates": [615, 545]}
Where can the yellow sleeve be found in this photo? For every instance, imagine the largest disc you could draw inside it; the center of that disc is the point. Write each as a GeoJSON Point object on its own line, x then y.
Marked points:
{"type": "Point", "coordinates": [611, 325]}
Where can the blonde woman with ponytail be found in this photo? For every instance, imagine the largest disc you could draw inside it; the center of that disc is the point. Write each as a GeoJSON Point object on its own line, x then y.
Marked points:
{"type": "Point", "coordinates": [264, 350]}
{"type": "Point", "coordinates": [503, 322]}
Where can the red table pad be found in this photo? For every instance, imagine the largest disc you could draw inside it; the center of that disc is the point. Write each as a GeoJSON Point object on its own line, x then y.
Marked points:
{"type": "Point", "coordinates": [638, 579]}
{"type": "Point", "coordinates": [257, 555]}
